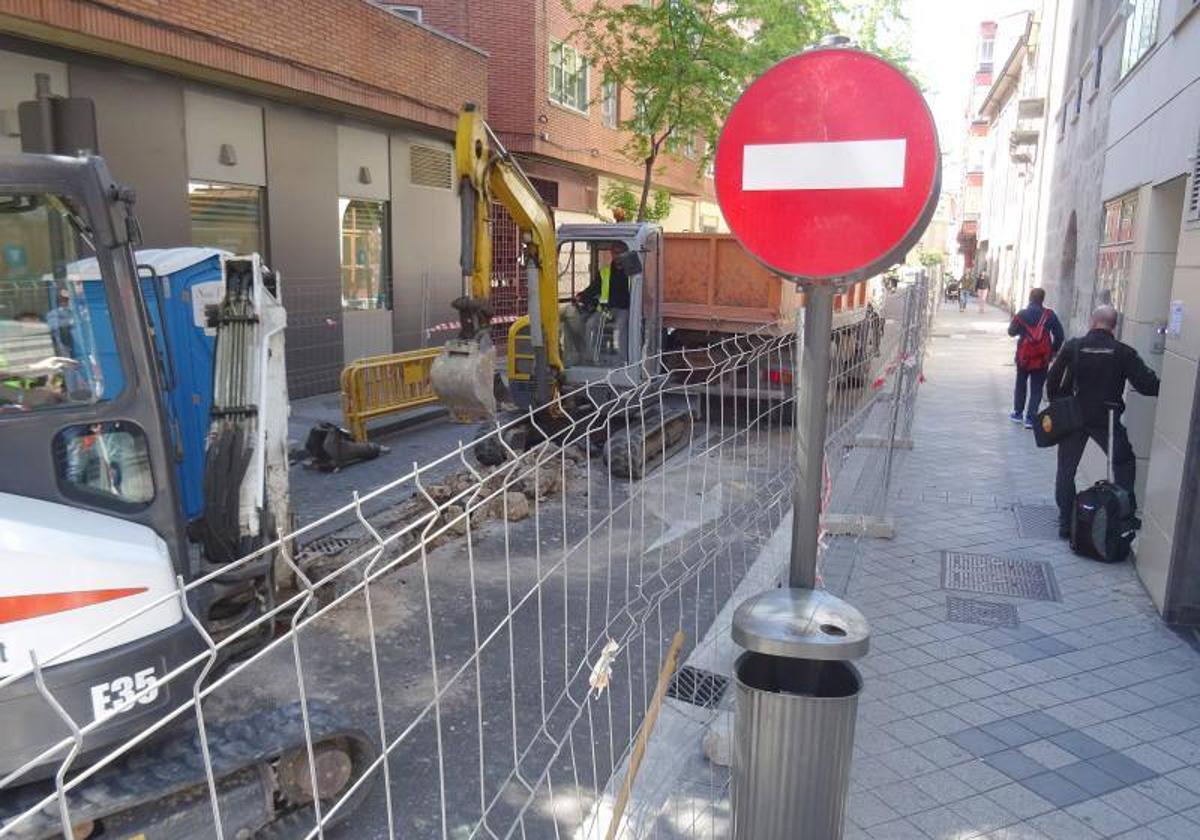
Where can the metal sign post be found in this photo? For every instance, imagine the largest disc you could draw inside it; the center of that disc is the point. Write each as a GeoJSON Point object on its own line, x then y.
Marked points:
{"type": "Point", "coordinates": [827, 171]}
{"type": "Point", "coordinates": [814, 337]}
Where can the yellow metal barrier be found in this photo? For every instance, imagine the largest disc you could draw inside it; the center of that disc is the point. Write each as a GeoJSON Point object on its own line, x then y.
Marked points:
{"type": "Point", "coordinates": [381, 385]}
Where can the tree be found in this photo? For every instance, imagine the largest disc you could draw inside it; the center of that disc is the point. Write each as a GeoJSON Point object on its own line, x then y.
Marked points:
{"type": "Point", "coordinates": [685, 62]}
{"type": "Point", "coordinates": [618, 195]}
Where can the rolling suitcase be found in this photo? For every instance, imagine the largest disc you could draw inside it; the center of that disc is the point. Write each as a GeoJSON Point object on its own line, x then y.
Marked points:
{"type": "Point", "coordinates": [1103, 523]}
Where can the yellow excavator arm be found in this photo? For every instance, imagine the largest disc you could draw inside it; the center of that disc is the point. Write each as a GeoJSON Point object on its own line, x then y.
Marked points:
{"type": "Point", "coordinates": [488, 173]}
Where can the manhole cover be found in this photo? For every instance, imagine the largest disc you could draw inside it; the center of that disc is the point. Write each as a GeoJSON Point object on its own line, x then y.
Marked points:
{"type": "Point", "coordinates": [1037, 522]}
{"type": "Point", "coordinates": [990, 575]}
{"type": "Point", "coordinates": [989, 613]}
{"type": "Point", "coordinates": [696, 686]}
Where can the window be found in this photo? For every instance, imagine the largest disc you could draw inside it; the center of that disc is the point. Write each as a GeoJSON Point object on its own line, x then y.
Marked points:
{"type": "Point", "coordinates": [986, 48]}
{"type": "Point", "coordinates": [227, 216]}
{"type": "Point", "coordinates": [1099, 69]}
{"type": "Point", "coordinates": [568, 77]}
{"type": "Point", "coordinates": [1141, 27]}
{"type": "Point", "coordinates": [610, 104]}
{"type": "Point", "coordinates": [57, 345]}
{"type": "Point", "coordinates": [104, 462]}
{"type": "Point", "coordinates": [1078, 96]}
{"type": "Point", "coordinates": [1116, 252]}
{"type": "Point", "coordinates": [413, 13]}
{"type": "Point", "coordinates": [366, 271]}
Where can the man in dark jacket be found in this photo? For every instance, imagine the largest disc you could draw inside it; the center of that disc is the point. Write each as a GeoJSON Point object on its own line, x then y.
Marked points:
{"type": "Point", "coordinates": [1039, 337]}
{"type": "Point", "coordinates": [1095, 369]}
{"type": "Point", "coordinates": [607, 296]}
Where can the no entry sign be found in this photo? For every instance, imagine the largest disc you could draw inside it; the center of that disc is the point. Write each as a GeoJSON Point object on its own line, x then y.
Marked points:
{"type": "Point", "coordinates": [828, 166]}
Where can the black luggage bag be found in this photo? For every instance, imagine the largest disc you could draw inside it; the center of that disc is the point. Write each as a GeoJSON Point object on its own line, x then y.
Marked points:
{"type": "Point", "coordinates": [1103, 521]}
{"type": "Point", "coordinates": [1057, 420]}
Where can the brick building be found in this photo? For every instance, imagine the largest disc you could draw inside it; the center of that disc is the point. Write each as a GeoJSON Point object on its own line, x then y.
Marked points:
{"type": "Point", "coordinates": [318, 132]}
{"type": "Point", "coordinates": [558, 115]}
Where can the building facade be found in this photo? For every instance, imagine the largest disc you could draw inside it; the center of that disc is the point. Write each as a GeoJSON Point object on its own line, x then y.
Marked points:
{"type": "Point", "coordinates": [1149, 268]}
{"type": "Point", "coordinates": [1018, 157]}
{"type": "Point", "coordinates": [974, 150]}
{"type": "Point", "coordinates": [560, 117]}
{"type": "Point", "coordinates": [317, 133]}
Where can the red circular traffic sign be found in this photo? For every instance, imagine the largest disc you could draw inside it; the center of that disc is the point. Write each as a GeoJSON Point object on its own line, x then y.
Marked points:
{"type": "Point", "coordinates": [828, 166]}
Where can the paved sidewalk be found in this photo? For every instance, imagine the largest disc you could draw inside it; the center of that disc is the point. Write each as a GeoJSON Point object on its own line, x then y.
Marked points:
{"type": "Point", "coordinates": [1064, 711]}
{"type": "Point", "coordinates": [1069, 711]}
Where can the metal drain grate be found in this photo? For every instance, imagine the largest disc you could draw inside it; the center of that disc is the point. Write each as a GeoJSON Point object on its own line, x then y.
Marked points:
{"type": "Point", "coordinates": [1037, 522]}
{"type": "Point", "coordinates": [698, 687]}
{"type": "Point", "coordinates": [988, 613]}
{"type": "Point", "coordinates": [324, 546]}
{"type": "Point", "coordinates": [990, 575]}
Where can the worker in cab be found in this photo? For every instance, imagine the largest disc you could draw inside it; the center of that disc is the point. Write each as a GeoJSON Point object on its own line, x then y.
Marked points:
{"type": "Point", "coordinates": [607, 300]}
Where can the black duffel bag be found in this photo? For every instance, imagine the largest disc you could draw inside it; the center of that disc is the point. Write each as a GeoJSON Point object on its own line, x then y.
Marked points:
{"type": "Point", "coordinates": [1058, 421]}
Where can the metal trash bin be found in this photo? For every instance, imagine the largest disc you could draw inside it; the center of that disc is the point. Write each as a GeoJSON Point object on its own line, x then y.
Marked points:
{"type": "Point", "coordinates": [797, 697]}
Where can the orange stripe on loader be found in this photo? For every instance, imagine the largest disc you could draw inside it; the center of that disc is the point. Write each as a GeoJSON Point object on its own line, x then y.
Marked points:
{"type": "Point", "coordinates": [21, 607]}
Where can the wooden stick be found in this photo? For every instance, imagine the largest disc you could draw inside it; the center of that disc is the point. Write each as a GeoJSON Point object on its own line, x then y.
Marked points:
{"type": "Point", "coordinates": [639, 746]}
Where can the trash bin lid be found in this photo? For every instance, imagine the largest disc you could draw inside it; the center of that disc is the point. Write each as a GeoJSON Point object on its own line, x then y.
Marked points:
{"type": "Point", "coordinates": [801, 624]}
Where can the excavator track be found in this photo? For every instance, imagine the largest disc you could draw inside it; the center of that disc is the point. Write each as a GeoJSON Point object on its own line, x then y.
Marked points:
{"type": "Point", "coordinates": [173, 769]}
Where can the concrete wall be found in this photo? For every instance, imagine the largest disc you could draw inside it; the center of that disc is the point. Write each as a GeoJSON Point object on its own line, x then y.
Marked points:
{"type": "Point", "coordinates": [425, 248]}
{"type": "Point", "coordinates": [1152, 135]}
{"type": "Point", "coordinates": [303, 236]}
{"type": "Point", "coordinates": [1075, 188]}
{"type": "Point", "coordinates": [139, 117]}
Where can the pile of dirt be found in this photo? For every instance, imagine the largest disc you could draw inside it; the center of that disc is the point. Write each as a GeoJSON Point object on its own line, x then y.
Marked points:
{"type": "Point", "coordinates": [465, 499]}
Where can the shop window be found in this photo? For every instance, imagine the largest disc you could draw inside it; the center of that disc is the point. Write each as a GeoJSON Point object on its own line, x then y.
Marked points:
{"type": "Point", "coordinates": [366, 267]}
{"type": "Point", "coordinates": [57, 342]}
{"type": "Point", "coordinates": [227, 216]}
{"type": "Point", "coordinates": [1116, 252]}
{"type": "Point", "coordinates": [1141, 29]}
{"type": "Point", "coordinates": [104, 463]}
{"type": "Point", "coordinates": [568, 77]}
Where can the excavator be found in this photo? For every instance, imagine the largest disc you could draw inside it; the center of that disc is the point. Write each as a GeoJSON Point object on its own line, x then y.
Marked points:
{"type": "Point", "coordinates": [559, 265]}
{"type": "Point", "coordinates": [143, 429]}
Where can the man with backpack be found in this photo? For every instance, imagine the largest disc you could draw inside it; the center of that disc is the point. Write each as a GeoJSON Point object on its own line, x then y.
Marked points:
{"type": "Point", "coordinates": [1039, 336]}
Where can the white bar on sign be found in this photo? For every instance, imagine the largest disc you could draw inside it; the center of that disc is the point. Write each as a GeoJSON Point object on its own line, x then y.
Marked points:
{"type": "Point", "coordinates": [835, 165]}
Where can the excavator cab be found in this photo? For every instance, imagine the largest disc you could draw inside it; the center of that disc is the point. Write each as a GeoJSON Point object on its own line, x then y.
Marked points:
{"type": "Point", "coordinates": [609, 307]}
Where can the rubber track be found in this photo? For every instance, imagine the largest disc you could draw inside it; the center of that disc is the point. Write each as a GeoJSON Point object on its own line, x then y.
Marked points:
{"type": "Point", "coordinates": [171, 765]}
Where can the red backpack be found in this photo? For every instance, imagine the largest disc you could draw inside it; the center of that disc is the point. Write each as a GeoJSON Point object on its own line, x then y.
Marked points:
{"type": "Point", "coordinates": [1035, 349]}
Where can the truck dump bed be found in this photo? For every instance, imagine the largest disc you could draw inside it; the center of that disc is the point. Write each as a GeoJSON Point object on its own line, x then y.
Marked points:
{"type": "Point", "coordinates": [712, 284]}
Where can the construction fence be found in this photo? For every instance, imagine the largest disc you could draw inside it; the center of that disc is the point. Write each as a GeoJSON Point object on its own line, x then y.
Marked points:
{"type": "Point", "coordinates": [478, 650]}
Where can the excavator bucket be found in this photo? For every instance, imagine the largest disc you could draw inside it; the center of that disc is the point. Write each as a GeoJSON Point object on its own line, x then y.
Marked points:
{"type": "Point", "coordinates": [463, 378]}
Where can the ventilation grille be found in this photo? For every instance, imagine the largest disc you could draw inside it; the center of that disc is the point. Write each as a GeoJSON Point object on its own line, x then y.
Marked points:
{"type": "Point", "coordinates": [429, 167]}
{"type": "Point", "coordinates": [1193, 211]}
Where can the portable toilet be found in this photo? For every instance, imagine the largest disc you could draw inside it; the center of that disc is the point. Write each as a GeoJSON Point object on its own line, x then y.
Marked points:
{"type": "Point", "coordinates": [177, 284]}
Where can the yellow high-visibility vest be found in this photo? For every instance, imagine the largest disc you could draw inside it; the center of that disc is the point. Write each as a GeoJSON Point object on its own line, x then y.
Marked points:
{"type": "Point", "coordinates": [605, 277]}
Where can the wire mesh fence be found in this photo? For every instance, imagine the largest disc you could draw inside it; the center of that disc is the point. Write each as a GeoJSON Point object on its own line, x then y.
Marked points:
{"type": "Point", "coordinates": [474, 647]}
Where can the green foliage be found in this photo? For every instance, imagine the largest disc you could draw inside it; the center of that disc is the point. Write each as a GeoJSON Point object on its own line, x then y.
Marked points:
{"type": "Point", "coordinates": [618, 195]}
{"type": "Point", "coordinates": [930, 258]}
{"type": "Point", "coordinates": [685, 62]}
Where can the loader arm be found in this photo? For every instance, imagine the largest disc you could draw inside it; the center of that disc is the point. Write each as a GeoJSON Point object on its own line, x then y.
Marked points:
{"type": "Point", "coordinates": [488, 173]}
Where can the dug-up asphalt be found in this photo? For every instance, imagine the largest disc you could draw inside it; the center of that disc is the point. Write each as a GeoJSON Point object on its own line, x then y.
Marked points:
{"type": "Point", "coordinates": [1013, 691]}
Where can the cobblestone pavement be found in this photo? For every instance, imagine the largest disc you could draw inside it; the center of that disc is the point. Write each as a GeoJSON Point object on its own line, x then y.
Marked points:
{"type": "Point", "coordinates": [1013, 691]}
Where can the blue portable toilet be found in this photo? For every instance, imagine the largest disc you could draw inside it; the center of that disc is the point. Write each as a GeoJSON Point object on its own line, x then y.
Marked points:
{"type": "Point", "coordinates": [177, 284]}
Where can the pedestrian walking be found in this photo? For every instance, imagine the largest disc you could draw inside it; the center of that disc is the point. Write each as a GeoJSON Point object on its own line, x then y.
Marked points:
{"type": "Point", "coordinates": [1039, 336]}
{"type": "Point", "coordinates": [982, 284]}
{"type": "Point", "coordinates": [964, 291]}
{"type": "Point", "coordinates": [1095, 369]}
